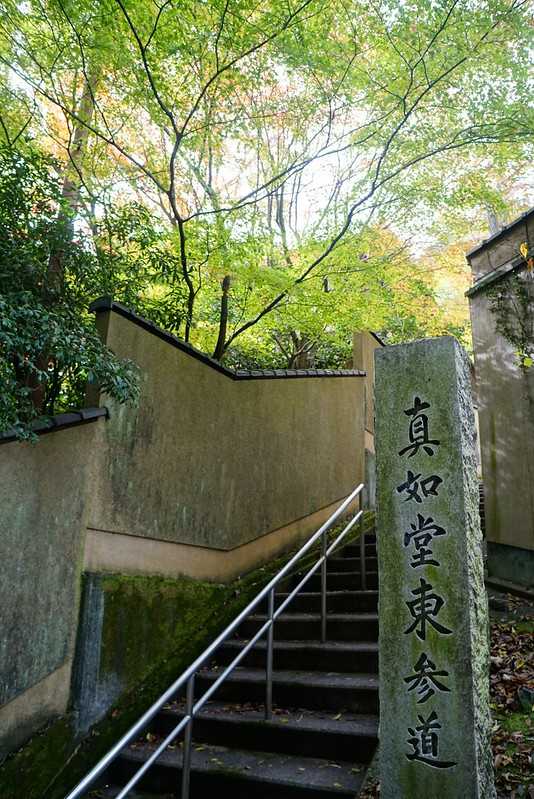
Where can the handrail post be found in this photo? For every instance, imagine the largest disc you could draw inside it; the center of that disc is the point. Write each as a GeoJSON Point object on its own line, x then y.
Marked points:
{"type": "Point", "coordinates": [363, 569]}
{"type": "Point", "coordinates": [269, 663]}
{"type": "Point", "coordinates": [188, 738]}
{"type": "Point", "coordinates": [323, 589]}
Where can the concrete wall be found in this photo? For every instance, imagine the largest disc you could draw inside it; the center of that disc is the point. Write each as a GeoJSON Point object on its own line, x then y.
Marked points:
{"type": "Point", "coordinates": [140, 555]}
{"type": "Point", "coordinates": [501, 248]}
{"type": "Point", "coordinates": [212, 475]}
{"type": "Point", "coordinates": [210, 461]}
{"type": "Point", "coordinates": [364, 345]}
{"type": "Point", "coordinates": [505, 400]}
{"type": "Point", "coordinates": [127, 626]}
{"type": "Point", "coordinates": [43, 492]}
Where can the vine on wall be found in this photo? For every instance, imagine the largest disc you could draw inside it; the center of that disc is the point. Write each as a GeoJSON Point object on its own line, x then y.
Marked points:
{"type": "Point", "coordinates": [512, 303]}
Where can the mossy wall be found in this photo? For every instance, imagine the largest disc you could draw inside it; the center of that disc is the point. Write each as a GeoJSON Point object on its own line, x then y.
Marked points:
{"type": "Point", "coordinates": [151, 629]}
{"type": "Point", "coordinates": [145, 631]}
{"type": "Point", "coordinates": [127, 625]}
{"type": "Point", "coordinates": [137, 634]}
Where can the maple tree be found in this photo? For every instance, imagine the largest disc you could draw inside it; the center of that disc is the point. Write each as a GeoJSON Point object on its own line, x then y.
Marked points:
{"type": "Point", "coordinates": [283, 153]}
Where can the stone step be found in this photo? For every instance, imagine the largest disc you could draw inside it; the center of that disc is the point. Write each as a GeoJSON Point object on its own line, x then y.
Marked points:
{"type": "Point", "coordinates": [340, 581]}
{"type": "Point", "coordinates": [313, 690]}
{"type": "Point", "coordinates": [324, 728]}
{"type": "Point", "coordinates": [353, 550]}
{"type": "Point", "coordinates": [219, 771]}
{"type": "Point", "coordinates": [346, 736]}
{"type": "Point", "coordinates": [111, 791]}
{"type": "Point", "coordinates": [341, 656]}
{"type": "Point", "coordinates": [350, 564]}
{"type": "Point", "coordinates": [336, 602]}
{"type": "Point", "coordinates": [307, 626]}
{"type": "Point", "coordinates": [357, 626]}
{"type": "Point", "coordinates": [370, 536]}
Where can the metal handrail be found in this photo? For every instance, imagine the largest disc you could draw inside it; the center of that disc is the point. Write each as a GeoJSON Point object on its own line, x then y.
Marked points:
{"type": "Point", "coordinates": [188, 676]}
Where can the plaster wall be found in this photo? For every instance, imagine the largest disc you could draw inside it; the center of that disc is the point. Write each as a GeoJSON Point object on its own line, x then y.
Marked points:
{"type": "Point", "coordinates": [364, 345]}
{"type": "Point", "coordinates": [501, 248]}
{"type": "Point", "coordinates": [114, 552]}
{"type": "Point", "coordinates": [209, 477]}
{"type": "Point", "coordinates": [42, 517]}
{"type": "Point", "coordinates": [214, 462]}
{"type": "Point", "coordinates": [505, 400]}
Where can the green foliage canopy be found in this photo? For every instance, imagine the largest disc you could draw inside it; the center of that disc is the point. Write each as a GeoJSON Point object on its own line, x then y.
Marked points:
{"type": "Point", "coordinates": [279, 149]}
{"type": "Point", "coordinates": [50, 348]}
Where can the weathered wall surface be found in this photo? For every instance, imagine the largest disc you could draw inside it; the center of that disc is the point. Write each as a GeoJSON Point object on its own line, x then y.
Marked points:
{"type": "Point", "coordinates": [135, 555]}
{"type": "Point", "coordinates": [146, 632]}
{"type": "Point", "coordinates": [209, 477]}
{"type": "Point", "coordinates": [42, 516]}
{"type": "Point", "coordinates": [501, 248]}
{"type": "Point", "coordinates": [129, 624]}
{"type": "Point", "coordinates": [215, 462]}
{"type": "Point", "coordinates": [364, 345]}
{"type": "Point", "coordinates": [505, 400]}
{"type": "Point", "coordinates": [505, 397]}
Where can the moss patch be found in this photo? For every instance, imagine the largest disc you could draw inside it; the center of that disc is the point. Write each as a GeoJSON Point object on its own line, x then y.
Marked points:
{"type": "Point", "coordinates": [143, 615]}
{"type": "Point", "coordinates": [152, 629]}
{"type": "Point", "coordinates": [29, 772]}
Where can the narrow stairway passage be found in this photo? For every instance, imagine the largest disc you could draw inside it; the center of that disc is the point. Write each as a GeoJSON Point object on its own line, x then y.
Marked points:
{"type": "Point", "coordinates": [323, 732]}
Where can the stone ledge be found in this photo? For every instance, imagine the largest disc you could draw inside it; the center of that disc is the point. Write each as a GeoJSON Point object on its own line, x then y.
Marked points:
{"type": "Point", "coordinates": [497, 274]}
{"type": "Point", "coordinates": [506, 587]}
{"type": "Point", "coordinates": [506, 229]}
{"type": "Point", "coordinates": [60, 421]}
{"type": "Point", "coordinates": [107, 304]}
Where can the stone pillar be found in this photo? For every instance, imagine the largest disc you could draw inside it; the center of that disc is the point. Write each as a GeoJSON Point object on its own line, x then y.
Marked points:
{"type": "Point", "coordinates": [434, 653]}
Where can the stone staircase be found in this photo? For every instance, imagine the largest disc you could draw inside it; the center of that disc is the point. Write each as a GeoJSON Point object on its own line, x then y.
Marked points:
{"type": "Point", "coordinates": [323, 732]}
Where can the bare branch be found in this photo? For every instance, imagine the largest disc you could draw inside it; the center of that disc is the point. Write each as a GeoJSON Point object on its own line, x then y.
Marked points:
{"type": "Point", "coordinates": [245, 54]}
{"type": "Point", "coordinates": [377, 181]}
{"type": "Point", "coordinates": [219, 33]}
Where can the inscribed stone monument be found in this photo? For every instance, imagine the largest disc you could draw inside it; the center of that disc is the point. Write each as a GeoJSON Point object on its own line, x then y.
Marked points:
{"type": "Point", "coordinates": [434, 683]}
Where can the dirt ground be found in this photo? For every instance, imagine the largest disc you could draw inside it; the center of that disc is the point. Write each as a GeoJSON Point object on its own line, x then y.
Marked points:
{"type": "Point", "coordinates": [512, 698]}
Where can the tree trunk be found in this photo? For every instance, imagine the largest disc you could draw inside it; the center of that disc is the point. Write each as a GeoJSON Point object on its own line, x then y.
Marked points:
{"type": "Point", "coordinates": [223, 320]}
{"type": "Point", "coordinates": [303, 355]}
{"type": "Point", "coordinates": [54, 282]}
{"type": "Point", "coordinates": [71, 190]}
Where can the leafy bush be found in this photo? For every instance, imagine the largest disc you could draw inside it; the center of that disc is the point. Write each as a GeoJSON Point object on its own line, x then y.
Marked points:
{"type": "Point", "coordinates": [49, 346]}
